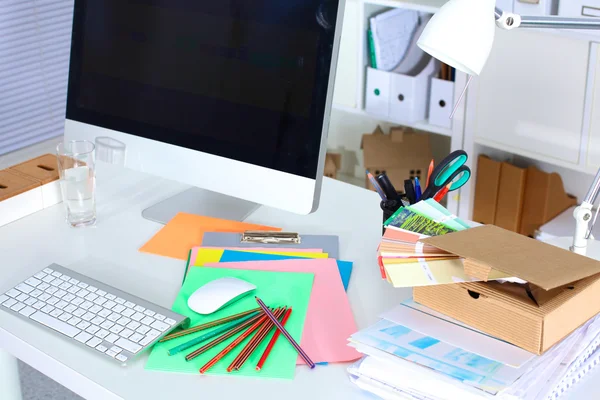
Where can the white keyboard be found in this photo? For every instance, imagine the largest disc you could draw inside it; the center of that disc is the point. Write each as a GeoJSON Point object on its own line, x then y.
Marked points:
{"type": "Point", "coordinates": [90, 313]}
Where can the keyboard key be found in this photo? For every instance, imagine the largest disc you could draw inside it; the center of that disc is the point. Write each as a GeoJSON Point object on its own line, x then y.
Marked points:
{"type": "Point", "coordinates": [147, 340]}
{"type": "Point", "coordinates": [149, 321]}
{"type": "Point", "coordinates": [43, 286]}
{"type": "Point", "coordinates": [82, 285]}
{"type": "Point", "coordinates": [92, 329]}
{"type": "Point", "coordinates": [22, 297]}
{"type": "Point", "coordinates": [56, 282]}
{"type": "Point", "coordinates": [47, 308]}
{"type": "Point", "coordinates": [39, 305]}
{"type": "Point", "coordinates": [110, 304]}
{"type": "Point", "coordinates": [121, 357]}
{"type": "Point", "coordinates": [65, 286]}
{"type": "Point", "coordinates": [56, 274]}
{"type": "Point", "coordinates": [136, 337]}
{"type": "Point", "coordinates": [44, 297]}
{"type": "Point", "coordinates": [153, 333]}
{"type": "Point", "coordinates": [110, 353]}
{"type": "Point", "coordinates": [48, 279]}
{"type": "Point", "coordinates": [69, 297]}
{"type": "Point", "coordinates": [100, 292]}
{"type": "Point", "coordinates": [88, 316]}
{"type": "Point", "coordinates": [83, 337]}
{"type": "Point", "coordinates": [101, 348]}
{"type": "Point", "coordinates": [74, 289]}
{"type": "Point", "coordinates": [118, 308]}
{"type": "Point", "coordinates": [52, 300]}
{"type": "Point", "coordinates": [150, 313]}
{"type": "Point", "coordinates": [48, 270]}
{"type": "Point", "coordinates": [93, 342]}
{"type": "Point", "coordinates": [65, 277]}
{"type": "Point", "coordinates": [83, 293]}
{"type": "Point", "coordinates": [137, 316]}
{"type": "Point", "coordinates": [160, 317]}
{"type": "Point", "coordinates": [27, 311]}
{"type": "Point", "coordinates": [73, 281]}
{"type": "Point", "coordinates": [9, 303]}
{"type": "Point", "coordinates": [110, 296]}
{"type": "Point", "coordinates": [92, 288]}
{"type": "Point", "coordinates": [36, 293]}
{"type": "Point", "coordinates": [25, 288]}
{"type": "Point", "coordinates": [123, 321]}
{"type": "Point", "coordinates": [128, 312]}
{"type": "Point", "coordinates": [95, 308]}
{"type": "Point", "coordinates": [128, 345]}
{"type": "Point", "coordinates": [65, 317]}
{"type": "Point", "coordinates": [77, 301]}
{"type": "Point", "coordinates": [104, 313]}
{"type": "Point", "coordinates": [116, 349]}
{"type": "Point", "coordinates": [3, 298]}
{"type": "Point", "coordinates": [56, 313]}
{"type": "Point", "coordinates": [91, 297]}
{"type": "Point", "coordinates": [86, 305]}
{"type": "Point", "coordinates": [13, 293]}
{"type": "Point", "coordinates": [143, 329]}
{"type": "Point", "coordinates": [111, 338]}
{"type": "Point", "coordinates": [126, 333]}
{"type": "Point", "coordinates": [97, 320]}
{"type": "Point", "coordinates": [18, 306]}
{"type": "Point", "coordinates": [116, 329]}
{"type": "Point", "coordinates": [60, 294]}
{"type": "Point", "coordinates": [51, 290]}
{"type": "Point", "coordinates": [120, 300]}
{"type": "Point", "coordinates": [30, 301]}
{"type": "Point", "coordinates": [40, 275]}
{"type": "Point", "coordinates": [114, 316]}
{"type": "Point", "coordinates": [33, 281]}
{"type": "Point", "coordinates": [139, 308]}
{"type": "Point", "coordinates": [74, 321]}
{"type": "Point", "coordinates": [100, 301]}
{"type": "Point", "coordinates": [133, 325]}
{"type": "Point", "coordinates": [54, 323]}
{"type": "Point", "coordinates": [62, 304]}
{"type": "Point", "coordinates": [107, 324]}
{"type": "Point", "coordinates": [79, 312]}
{"type": "Point", "coordinates": [129, 304]}
{"type": "Point", "coordinates": [83, 325]}
{"type": "Point", "coordinates": [102, 333]}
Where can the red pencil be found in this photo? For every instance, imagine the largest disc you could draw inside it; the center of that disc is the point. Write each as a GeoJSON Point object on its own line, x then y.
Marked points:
{"type": "Point", "coordinates": [233, 344]}
{"type": "Point", "coordinates": [440, 195]}
{"type": "Point", "coordinates": [431, 164]}
{"type": "Point", "coordinates": [263, 358]}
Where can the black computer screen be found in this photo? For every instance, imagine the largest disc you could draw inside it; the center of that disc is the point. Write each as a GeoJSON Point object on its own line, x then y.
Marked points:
{"type": "Point", "coordinates": [242, 79]}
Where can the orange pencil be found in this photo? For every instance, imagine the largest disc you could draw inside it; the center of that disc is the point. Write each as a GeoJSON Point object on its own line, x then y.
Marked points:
{"type": "Point", "coordinates": [429, 172]}
{"type": "Point", "coordinates": [233, 344]}
{"type": "Point", "coordinates": [267, 351]}
{"type": "Point", "coordinates": [440, 195]}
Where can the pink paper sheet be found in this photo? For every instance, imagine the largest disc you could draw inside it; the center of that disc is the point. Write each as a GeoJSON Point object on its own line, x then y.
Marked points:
{"type": "Point", "coordinates": [194, 254]}
{"type": "Point", "coordinates": [329, 321]}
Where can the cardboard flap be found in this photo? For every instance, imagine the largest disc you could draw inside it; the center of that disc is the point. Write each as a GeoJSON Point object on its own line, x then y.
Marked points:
{"type": "Point", "coordinates": [477, 270]}
{"type": "Point", "coordinates": [539, 263]}
{"type": "Point", "coordinates": [377, 131]}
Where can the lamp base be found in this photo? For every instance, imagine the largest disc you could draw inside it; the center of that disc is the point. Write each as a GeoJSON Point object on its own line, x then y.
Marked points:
{"type": "Point", "coordinates": [592, 251]}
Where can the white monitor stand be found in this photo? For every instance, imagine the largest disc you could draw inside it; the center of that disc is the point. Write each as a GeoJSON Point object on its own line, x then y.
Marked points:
{"type": "Point", "coordinates": [200, 202]}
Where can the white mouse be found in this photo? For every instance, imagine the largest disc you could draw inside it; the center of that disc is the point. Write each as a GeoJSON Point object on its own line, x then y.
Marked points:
{"type": "Point", "coordinates": [219, 293]}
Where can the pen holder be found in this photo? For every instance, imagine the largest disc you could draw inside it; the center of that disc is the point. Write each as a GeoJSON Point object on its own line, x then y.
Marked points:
{"type": "Point", "coordinates": [389, 207]}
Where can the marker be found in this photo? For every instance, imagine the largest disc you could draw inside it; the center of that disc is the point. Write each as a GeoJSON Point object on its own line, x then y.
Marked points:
{"type": "Point", "coordinates": [387, 186]}
{"type": "Point", "coordinates": [418, 193]}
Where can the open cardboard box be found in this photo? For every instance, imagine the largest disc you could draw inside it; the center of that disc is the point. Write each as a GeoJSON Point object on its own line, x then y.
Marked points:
{"type": "Point", "coordinates": [562, 293]}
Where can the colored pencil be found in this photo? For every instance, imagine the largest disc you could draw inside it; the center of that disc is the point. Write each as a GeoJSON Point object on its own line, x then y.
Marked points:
{"type": "Point", "coordinates": [254, 342]}
{"type": "Point", "coordinates": [285, 333]}
{"type": "Point", "coordinates": [234, 344]}
{"type": "Point", "coordinates": [223, 338]}
{"type": "Point", "coordinates": [207, 325]}
{"type": "Point", "coordinates": [440, 195]}
{"type": "Point", "coordinates": [376, 186]}
{"type": "Point", "coordinates": [222, 329]}
{"type": "Point", "coordinates": [267, 351]}
{"type": "Point", "coordinates": [429, 172]}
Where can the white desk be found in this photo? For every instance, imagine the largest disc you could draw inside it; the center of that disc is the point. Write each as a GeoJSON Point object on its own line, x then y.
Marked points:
{"type": "Point", "coordinates": [108, 252]}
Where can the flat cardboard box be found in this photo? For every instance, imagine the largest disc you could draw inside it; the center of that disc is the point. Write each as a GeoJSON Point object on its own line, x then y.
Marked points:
{"type": "Point", "coordinates": [563, 291]}
{"type": "Point", "coordinates": [43, 169]}
{"type": "Point", "coordinates": [511, 192]}
{"type": "Point", "coordinates": [486, 190]}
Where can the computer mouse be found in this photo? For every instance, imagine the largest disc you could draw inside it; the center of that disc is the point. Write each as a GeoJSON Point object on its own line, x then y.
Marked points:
{"type": "Point", "coordinates": [219, 293]}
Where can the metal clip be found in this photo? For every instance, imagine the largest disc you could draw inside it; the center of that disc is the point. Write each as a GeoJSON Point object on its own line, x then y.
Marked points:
{"type": "Point", "coordinates": [270, 237]}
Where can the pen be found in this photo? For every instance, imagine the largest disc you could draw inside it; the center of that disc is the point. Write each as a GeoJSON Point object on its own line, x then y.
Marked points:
{"type": "Point", "coordinates": [417, 190]}
{"type": "Point", "coordinates": [376, 186]}
{"type": "Point", "coordinates": [387, 186]}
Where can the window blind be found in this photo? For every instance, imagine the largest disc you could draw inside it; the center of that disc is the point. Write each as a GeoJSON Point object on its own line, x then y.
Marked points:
{"type": "Point", "coordinates": [35, 41]}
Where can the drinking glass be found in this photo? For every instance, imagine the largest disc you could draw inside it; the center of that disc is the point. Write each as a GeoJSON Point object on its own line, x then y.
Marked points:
{"type": "Point", "coordinates": [110, 150]}
{"type": "Point", "coordinates": [78, 181]}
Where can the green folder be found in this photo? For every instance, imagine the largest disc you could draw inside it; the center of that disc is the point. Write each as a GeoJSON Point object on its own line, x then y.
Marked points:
{"type": "Point", "coordinates": [371, 45]}
{"type": "Point", "coordinates": [275, 289]}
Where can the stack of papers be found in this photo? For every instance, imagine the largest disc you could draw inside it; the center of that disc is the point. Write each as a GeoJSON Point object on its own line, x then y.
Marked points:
{"type": "Point", "coordinates": [406, 262]}
{"type": "Point", "coordinates": [416, 353]}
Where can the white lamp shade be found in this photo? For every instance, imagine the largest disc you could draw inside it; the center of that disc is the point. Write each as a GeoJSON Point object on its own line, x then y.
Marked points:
{"type": "Point", "coordinates": [461, 34]}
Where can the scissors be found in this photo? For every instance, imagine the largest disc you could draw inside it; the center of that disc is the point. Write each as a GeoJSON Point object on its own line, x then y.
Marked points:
{"type": "Point", "coordinates": [452, 170]}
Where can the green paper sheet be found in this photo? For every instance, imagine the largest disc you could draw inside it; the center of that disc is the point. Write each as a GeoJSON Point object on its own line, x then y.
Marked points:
{"type": "Point", "coordinates": [275, 289]}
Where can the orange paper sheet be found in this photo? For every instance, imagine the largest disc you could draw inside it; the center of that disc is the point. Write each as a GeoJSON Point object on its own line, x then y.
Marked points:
{"type": "Point", "coordinates": [185, 231]}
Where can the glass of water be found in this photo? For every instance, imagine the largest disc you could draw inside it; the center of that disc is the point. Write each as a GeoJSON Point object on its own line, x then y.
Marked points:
{"type": "Point", "coordinates": [78, 181]}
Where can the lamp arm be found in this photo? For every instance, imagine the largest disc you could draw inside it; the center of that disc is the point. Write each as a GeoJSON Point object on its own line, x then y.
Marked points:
{"type": "Point", "coordinates": [509, 21]}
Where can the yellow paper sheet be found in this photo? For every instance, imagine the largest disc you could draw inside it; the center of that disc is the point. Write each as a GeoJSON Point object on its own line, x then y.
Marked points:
{"type": "Point", "coordinates": [205, 256]}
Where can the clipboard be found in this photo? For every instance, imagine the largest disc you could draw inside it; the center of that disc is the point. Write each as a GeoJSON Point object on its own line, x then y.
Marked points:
{"type": "Point", "coordinates": [329, 243]}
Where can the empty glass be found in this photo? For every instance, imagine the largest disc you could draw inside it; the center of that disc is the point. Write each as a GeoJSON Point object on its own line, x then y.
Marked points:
{"type": "Point", "coordinates": [78, 181]}
{"type": "Point", "coordinates": [110, 150]}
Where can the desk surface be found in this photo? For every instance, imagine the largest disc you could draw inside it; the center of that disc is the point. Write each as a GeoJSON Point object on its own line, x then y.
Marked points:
{"type": "Point", "coordinates": [109, 253]}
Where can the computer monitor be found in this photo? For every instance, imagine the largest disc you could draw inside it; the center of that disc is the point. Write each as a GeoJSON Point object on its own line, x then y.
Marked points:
{"type": "Point", "coordinates": [230, 96]}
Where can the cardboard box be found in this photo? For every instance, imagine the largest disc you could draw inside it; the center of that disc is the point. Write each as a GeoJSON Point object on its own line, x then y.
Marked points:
{"type": "Point", "coordinates": [545, 198]}
{"type": "Point", "coordinates": [563, 290]}
{"type": "Point", "coordinates": [333, 162]}
{"type": "Point", "coordinates": [511, 192]}
{"type": "Point", "coordinates": [43, 169]}
{"type": "Point", "coordinates": [486, 190]}
{"type": "Point", "coordinates": [402, 154]}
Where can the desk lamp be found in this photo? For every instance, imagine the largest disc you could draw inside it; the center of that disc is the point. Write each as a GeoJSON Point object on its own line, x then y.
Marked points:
{"type": "Point", "coordinates": [461, 34]}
